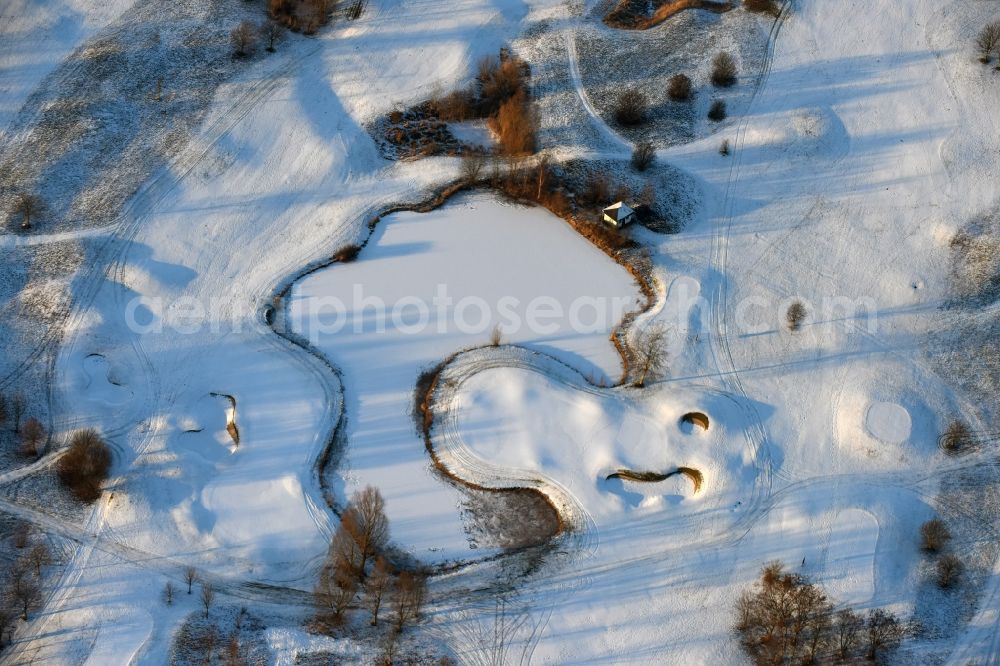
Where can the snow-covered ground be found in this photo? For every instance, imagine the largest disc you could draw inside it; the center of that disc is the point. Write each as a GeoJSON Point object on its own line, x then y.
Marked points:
{"type": "Point", "coordinates": [868, 142]}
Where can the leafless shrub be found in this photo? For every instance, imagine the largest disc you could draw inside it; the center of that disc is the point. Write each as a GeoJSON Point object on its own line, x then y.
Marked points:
{"type": "Point", "coordinates": [949, 570]}
{"type": "Point", "coordinates": [934, 535]}
{"type": "Point", "coordinates": [763, 7]}
{"type": "Point", "coordinates": [650, 353]}
{"type": "Point", "coordinates": [347, 254]}
{"type": "Point", "coordinates": [168, 593]}
{"type": "Point", "coordinates": [597, 189]}
{"type": "Point", "coordinates": [643, 155]}
{"type": "Point", "coordinates": [630, 107]}
{"type": "Point", "coordinates": [516, 125]}
{"type": "Point", "coordinates": [723, 70]}
{"type": "Point", "coordinates": [956, 439]}
{"type": "Point", "coordinates": [679, 88]}
{"type": "Point", "coordinates": [473, 165]}
{"type": "Point", "coordinates": [496, 336]}
{"type": "Point", "coordinates": [85, 466]}
{"type": "Point", "coordinates": [22, 533]}
{"type": "Point", "coordinates": [7, 618]}
{"type": "Point", "coordinates": [500, 79]}
{"type": "Point", "coordinates": [795, 315]}
{"type": "Point", "coordinates": [717, 112]}
{"type": "Point", "coordinates": [32, 435]}
{"type": "Point", "coordinates": [244, 39]}
{"type": "Point", "coordinates": [457, 105]}
{"type": "Point", "coordinates": [988, 40]}
{"type": "Point", "coordinates": [724, 147]}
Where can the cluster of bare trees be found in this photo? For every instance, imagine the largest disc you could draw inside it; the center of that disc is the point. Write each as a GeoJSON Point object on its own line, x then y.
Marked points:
{"type": "Point", "coordinates": [988, 41]}
{"type": "Point", "coordinates": [22, 580]}
{"type": "Point", "coordinates": [356, 574]}
{"type": "Point", "coordinates": [206, 641]}
{"type": "Point", "coordinates": [306, 16]}
{"type": "Point", "coordinates": [247, 35]}
{"type": "Point", "coordinates": [786, 619]}
{"type": "Point", "coordinates": [84, 467]}
{"type": "Point", "coordinates": [934, 539]}
{"type": "Point", "coordinates": [30, 432]}
{"type": "Point", "coordinates": [502, 96]}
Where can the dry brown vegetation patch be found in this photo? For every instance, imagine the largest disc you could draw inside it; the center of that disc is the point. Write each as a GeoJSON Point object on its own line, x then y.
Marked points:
{"type": "Point", "coordinates": [633, 14]}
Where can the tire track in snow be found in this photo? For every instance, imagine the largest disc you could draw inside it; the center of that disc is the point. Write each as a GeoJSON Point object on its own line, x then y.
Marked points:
{"type": "Point", "coordinates": [720, 345]}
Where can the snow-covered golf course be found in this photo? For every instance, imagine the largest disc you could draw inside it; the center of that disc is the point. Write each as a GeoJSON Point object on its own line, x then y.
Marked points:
{"type": "Point", "coordinates": [248, 384]}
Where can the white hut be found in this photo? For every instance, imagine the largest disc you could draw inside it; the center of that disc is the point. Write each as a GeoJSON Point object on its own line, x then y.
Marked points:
{"type": "Point", "coordinates": [619, 214]}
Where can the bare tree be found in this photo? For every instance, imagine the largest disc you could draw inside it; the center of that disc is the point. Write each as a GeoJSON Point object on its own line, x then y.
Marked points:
{"type": "Point", "coordinates": [168, 593]}
{"type": "Point", "coordinates": [344, 547]}
{"type": "Point", "coordinates": [24, 587]}
{"type": "Point", "coordinates": [723, 70]}
{"type": "Point", "coordinates": [847, 634]}
{"type": "Point", "coordinates": [273, 33]}
{"type": "Point", "coordinates": [724, 147]}
{"type": "Point", "coordinates": [949, 570]}
{"type": "Point", "coordinates": [988, 40]}
{"type": "Point", "coordinates": [390, 647]}
{"type": "Point", "coordinates": [884, 632]}
{"type": "Point", "coordinates": [32, 435]}
{"type": "Point", "coordinates": [338, 585]}
{"type": "Point", "coordinates": [650, 353]}
{"type": "Point", "coordinates": [39, 556]}
{"type": "Point", "coordinates": [934, 535]}
{"type": "Point", "coordinates": [795, 315]}
{"type": "Point", "coordinates": [408, 598]}
{"type": "Point", "coordinates": [367, 524]}
{"type": "Point", "coordinates": [190, 576]}
{"type": "Point", "coordinates": [244, 39]}
{"type": "Point", "coordinates": [643, 155]}
{"type": "Point", "coordinates": [376, 586]}
{"type": "Point", "coordinates": [207, 596]}
{"type": "Point", "coordinates": [27, 205]}
{"type": "Point", "coordinates": [496, 637]}
{"type": "Point", "coordinates": [18, 405]}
